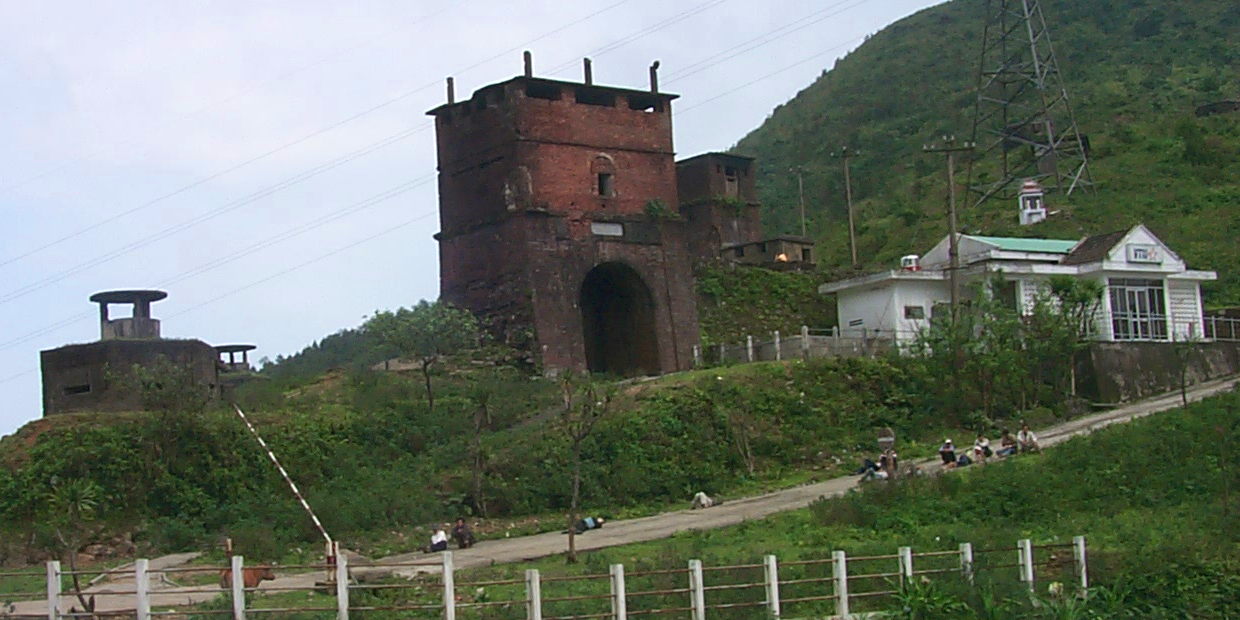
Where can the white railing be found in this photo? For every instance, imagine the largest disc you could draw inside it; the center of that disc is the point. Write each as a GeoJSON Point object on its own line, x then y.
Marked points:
{"type": "Point", "coordinates": [836, 583]}
{"type": "Point", "coordinates": [1221, 328]}
{"type": "Point", "coordinates": [809, 343]}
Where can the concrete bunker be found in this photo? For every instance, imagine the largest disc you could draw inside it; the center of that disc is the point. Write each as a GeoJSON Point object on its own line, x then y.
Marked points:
{"type": "Point", "coordinates": [618, 321]}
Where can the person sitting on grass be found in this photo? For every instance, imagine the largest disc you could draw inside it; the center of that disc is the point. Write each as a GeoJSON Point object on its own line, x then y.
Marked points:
{"type": "Point", "coordinates": [463, 535]}
{"type": "Point", "coordinates": [1027, 441]}
{"type": "Point", "coordinates": [867, 466]}
{"type": "Point", "coordinates": [1007, 444]}
{"type": "Point", "coordinates": [702, 500]}
{"type": "Point", "coordinates": [439, 540]}
{"type": "Point", "coordinates": [982, 443]}
{"type": "Point", "coordinates": [889, 462]}
{"type": "Point", "coordinates": [947, 452]}
{"type": "Point", "coordinates": [963, 461]}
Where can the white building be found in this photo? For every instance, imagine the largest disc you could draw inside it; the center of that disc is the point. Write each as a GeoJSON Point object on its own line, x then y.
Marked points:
{"type": "Point", "coordinates": [1150, 293]}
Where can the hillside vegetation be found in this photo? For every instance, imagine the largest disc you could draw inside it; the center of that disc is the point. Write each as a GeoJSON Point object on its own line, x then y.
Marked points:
{"type": "Point", "coordinates": [1135, 71]}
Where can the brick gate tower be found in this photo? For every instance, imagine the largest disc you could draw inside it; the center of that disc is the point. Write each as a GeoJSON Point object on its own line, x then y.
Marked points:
{"type": "Point", "coordinates": [559, 223]}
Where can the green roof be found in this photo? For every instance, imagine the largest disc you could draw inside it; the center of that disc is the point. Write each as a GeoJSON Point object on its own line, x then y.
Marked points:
{"type": "Point", "coordinates": [1016, 244]}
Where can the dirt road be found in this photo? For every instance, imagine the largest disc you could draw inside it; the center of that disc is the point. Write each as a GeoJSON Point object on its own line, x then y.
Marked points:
{"type": "Point", "coordinates": [663, 525]}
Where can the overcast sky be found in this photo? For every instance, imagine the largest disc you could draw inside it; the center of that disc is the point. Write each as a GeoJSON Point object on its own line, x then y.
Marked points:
{"type": "Point", "coordinates": [270, 164]}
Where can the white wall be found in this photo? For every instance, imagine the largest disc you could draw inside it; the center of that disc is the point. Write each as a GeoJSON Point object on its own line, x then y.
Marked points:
{"type": "Point", "coordinates": [1184, 302]}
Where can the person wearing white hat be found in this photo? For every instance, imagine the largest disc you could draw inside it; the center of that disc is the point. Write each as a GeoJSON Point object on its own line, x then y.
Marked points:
{"type": "Point", "coordinates": [947, 452]}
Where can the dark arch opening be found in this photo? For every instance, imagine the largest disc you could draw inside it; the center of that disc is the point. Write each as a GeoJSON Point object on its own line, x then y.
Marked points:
{"type": "Point", "coordinates": [617, 316]}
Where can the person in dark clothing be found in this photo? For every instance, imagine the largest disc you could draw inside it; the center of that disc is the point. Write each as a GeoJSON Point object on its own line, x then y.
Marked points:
{"type": "Point", "coordinates": [948, 454]}
{"type": "Point", "coordinates": [462, 534]}
{"type": "Point", "coordinates": [588, 523]}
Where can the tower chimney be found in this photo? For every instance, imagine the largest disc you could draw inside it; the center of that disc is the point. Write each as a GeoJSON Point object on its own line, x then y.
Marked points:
{"type": "Point", "coordinates": [589, 71]}
{"type": "Point", "coordinates": [529, 63]}
{"type": "Point", "coordinates": [654, 77]}
{"type": "Point", "coordinates": [451, 92]}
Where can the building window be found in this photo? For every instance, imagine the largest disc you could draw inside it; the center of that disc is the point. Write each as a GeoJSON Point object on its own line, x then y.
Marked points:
{"type": "Point", "coordinates": [1138, 309]}
{"type": "Point", "coordinates": [70, 390]}
{"type": "Point", "coordinates": [730, 184]}
{"type": "Point", "coordinates": [739, 251]}
{"type": "Point", "coordinates": [914, 312]}
{"type": "Point", "coordinates": [606, 186]}
{"type": "Point", "coordinates": [807, 255]}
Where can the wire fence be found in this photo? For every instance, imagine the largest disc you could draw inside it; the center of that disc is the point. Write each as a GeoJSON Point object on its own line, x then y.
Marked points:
{"type": "Point", "coordinates": [835, 584]}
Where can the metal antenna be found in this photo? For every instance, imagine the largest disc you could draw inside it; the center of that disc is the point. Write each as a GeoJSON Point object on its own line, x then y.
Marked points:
{"type": "Point", "coordinates": [1022, 121]}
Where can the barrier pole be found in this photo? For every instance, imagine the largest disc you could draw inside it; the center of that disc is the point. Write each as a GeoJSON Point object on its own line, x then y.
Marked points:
{"type": "Point", "coordinates": [749, 348]}
{"type": "Point", "coordinates": [906, 565]}
{"type": "Point", "coordinates": [53, 590]}
{"type": "Point", "coordinates": [142, 589]}
{"type": "Point", "coordinates": [1078, 546]}
{"type": "Point", "coordinates": [966, 561]}
{"type": "Point", "coordinates": [449, 588]}
{"type": "Point", "coordinates": [840, 568]}
{"type": "Point", "coordinates": [619, 610]}
{"type": "Point", "coordinates": [805, 341]}
{"type": "Point", "coordinates": [772, 585]}
{"type": "Point", "coordinates": [779, 355]}
{"type": "Point", "coordinates": [238, 588]}
{"type": "Point", "coordinates": [697, 596]}
{"type": "Point", "coordinates": [342, 587]}
{"type": "Point", "coordinates": [533, 595]}
{"type": "Point", "coordinates": [1024, 551]}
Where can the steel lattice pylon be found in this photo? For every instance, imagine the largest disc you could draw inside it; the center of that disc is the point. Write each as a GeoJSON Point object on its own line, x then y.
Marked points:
{"type": "Point", "coordinates": [1022, 119]}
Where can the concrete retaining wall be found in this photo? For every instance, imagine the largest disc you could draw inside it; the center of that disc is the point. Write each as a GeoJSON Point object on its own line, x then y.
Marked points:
{"type": "Point", "coordinates": [1112, 372]}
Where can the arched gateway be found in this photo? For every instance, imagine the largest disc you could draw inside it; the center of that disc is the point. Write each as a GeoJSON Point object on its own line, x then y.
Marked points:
{"type": "Point", "coordinates": [617, 317]}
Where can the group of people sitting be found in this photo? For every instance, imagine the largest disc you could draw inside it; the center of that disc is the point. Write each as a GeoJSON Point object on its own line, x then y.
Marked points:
{"type": "Point", "coordinates": [461, 532]}
{"type": "Point", "coordinates": [1024, 441]}
{"type": "Point", "coordinates": [885, 469]}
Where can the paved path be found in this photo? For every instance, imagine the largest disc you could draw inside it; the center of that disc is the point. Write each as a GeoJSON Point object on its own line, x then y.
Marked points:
{"type": "Point", "coordinates": [664, 525]}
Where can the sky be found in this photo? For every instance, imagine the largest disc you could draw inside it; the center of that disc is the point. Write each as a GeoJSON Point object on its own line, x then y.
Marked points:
{"type": "Point", "coordinates": [270, 164]}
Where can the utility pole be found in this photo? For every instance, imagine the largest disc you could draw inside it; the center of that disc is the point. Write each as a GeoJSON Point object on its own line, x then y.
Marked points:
{"type": "Point", "coordinates": [845, 155]}
{"type": "Point", "coordinates": [801, 192]}
{"type": "Point", "coordinates": [950, 148]}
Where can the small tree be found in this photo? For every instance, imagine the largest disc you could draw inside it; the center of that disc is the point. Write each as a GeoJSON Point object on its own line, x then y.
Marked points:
{"type": "Point", "coordinates": [585, 402]}
{"type": "Point", "coordinates": [426, 332]}
{"type": "Point", "coordinates": [71, 511]}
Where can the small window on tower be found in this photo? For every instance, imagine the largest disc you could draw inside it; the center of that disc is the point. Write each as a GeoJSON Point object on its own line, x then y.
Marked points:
{"type": "Point", "coordinates": [730, 188]}
{"type": "Point", "coordinates": [606, 184]}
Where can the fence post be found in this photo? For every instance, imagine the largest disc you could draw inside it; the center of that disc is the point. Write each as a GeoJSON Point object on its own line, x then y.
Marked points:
{"type": "Point", "coordinates": [238, 588]}
{"type": "Point", "coordinates": [779, 349]}
{"type": "Point", "coordinates": [1078, 546]}
{"type": "Point", "coordinates": [697, 596]}
{"type": "Point", "coordinates": [619, 610]}
{"type": "Point", "coordinates": [840, 568]}
{"type": "Point", "coordinates": [749, 348]}
{"type": "Point", "coordinates": [53, 590]}
{"type": "Point", "coordinates": [449, 588]}
{"type": "Point", "coordinates": [906, 565]}
{"type": "Point", "coordinates": [533, 595]}
{"type": "Point", "coordinates": [1024, 551]}
{"type": "Point", "coordinates": [142, 587]}
{"type": "Point", "coordinates": [697, 356]}
{"type": "Point", "coordinates": [805, 341]}
{"type": "Point", "coordinates": [342, 587]}
{"type": "Point", "coordinates": [772, 585]}
{"type": "Point", "coordinates": [966, 561]}
{"type": "Point", "coordinates": [722, 353]}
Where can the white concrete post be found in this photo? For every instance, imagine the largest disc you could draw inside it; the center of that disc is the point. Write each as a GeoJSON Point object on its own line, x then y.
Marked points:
{"type": "Point", "coordinates": [840, 568]}
{"type": "Point", "coordinates": [722, 352]}
{"type": "Point", "coordinates": [1024, 551]}
{"type": "Point", "coordinates": [342, 587]}
{"type": "Point", "coordinates": [697, 596]}
{"type": "Point", "coordinates": [142, 589]}
{"type": "Point", "coordinates": [805, 341]}
{"type": "Point", "coordinates": [533, 595]}
{"type": "Point", "coordinates": [966, 561]}
{"type": "Point", "coordinates": [449, 588]}
{"type": "Point", "coordinates": [1078, 547]}
{"type": "Point", "coordinates": [749, 348]}
{"type": "Point", "coordinates": [772, 585]}
{"type": "Point", "coordinates": [53, 590]}
{"type": "Point", "coordinates": [906, 565]}
{"type": "Point", "coordinates": [238, 588]}
{"type": "Point", "coordinates": [779, 349]}
{"type": "Point", "coordinates": [619, 609]}
{"type": "Point", "coordinates": [697, 356]}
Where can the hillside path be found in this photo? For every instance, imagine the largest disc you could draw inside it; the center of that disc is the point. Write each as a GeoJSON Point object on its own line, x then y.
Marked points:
{"type": "Point", "coordinates": [664, 525]}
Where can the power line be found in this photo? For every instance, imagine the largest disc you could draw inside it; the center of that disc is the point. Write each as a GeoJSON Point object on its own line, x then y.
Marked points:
{"type": "Point", "coordinates": [369, 42]}
{"type": "Point", "coordinates": [304, 138]}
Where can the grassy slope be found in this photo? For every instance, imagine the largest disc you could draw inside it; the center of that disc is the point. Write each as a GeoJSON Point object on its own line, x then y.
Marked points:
{"type": "Point", "coordinates": [1150, 489]}
{"type": "Point", "coordinates": [1135, 71]}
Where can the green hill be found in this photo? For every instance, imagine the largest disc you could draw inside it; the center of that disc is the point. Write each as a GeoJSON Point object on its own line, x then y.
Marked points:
{"type": "Point", "coordinates": [1136, 71]}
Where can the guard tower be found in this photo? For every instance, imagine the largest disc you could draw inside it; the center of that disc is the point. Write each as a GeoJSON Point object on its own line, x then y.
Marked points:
{"type": "Point", "coordinates": [1032, 203]}
{"type": "Point", "coordinates": [96, 376]}
{"type": "Point", "coordinates": [139, 326]}
{"type": "Point", "coordinates": [559, 225]}
{"type": "Point", "coordinates": [718, 197]}
{"type": "Point", "coordinates": [235, 357]}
